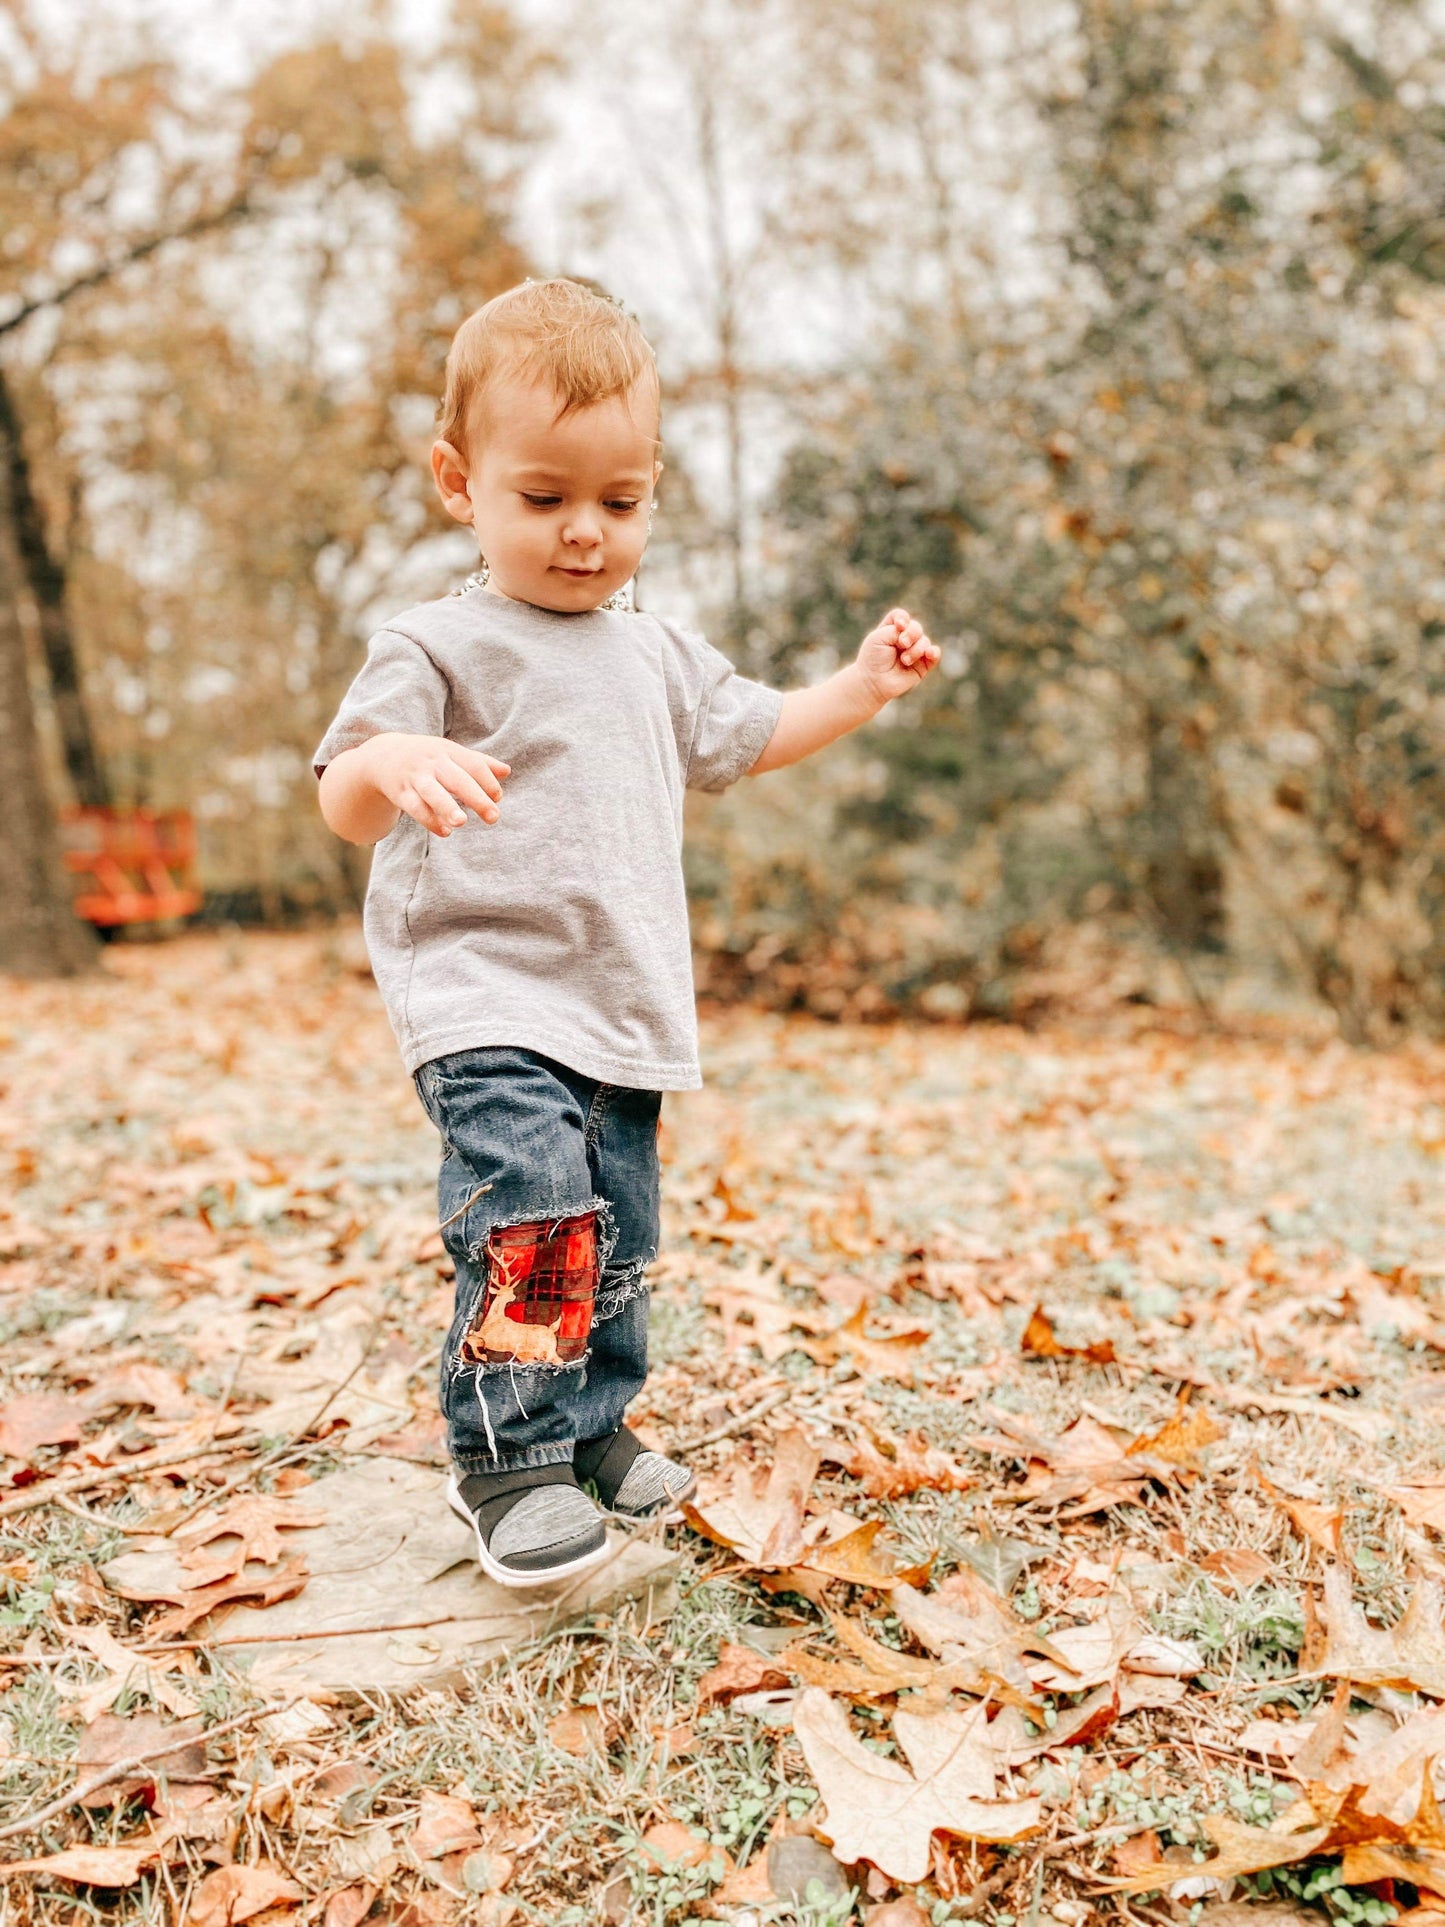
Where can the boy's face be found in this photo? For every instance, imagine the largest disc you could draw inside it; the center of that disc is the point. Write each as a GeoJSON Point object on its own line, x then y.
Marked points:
{"type": "Point", "coordinates": [560, 507]}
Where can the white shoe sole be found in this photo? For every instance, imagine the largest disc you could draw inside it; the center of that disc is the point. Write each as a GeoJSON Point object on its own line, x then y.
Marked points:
{"type": "Point", "coordinates": [508, 1575]}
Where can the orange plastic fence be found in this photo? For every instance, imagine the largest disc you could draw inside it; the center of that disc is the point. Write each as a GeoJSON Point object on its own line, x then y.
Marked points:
{"type": "Point", "coordinates": [139, 864]}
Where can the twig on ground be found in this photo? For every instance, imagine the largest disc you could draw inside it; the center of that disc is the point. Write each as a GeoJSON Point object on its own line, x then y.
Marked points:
{"type": "Point", "coordinates": [137, 1763]}
{"type": "Point", "coordinates": [42, 1494]}
{"type": "Point", "coordinates": [733, 1426]}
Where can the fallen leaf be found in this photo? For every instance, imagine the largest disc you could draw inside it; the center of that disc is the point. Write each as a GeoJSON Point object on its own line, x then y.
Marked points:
{"type": "Point", "coordinates": [876, 1671]}
{"type": "Point", "coordinates": [891, 1468]}
{"type": "Point", "coordinates": [232, 1894]}
{"type": "Point", "coordinates": [90, 1866]}
{"type": "Point", "coordinates": [1322, 1525]}
{"type": "Point", "coordinates": [760, 1514]}
{"type": "Point", "coordinates": [1422, 1504]}
{"type": "Point", "coordinates": [444, 1825]}
{"type": "Point", "coordinates": [1039, 1341]}
{"type": "Point", "coordinates": [35, 1419]}
{"type": "Point", "coordinates": [262, 1586]}
{"type": "Point", "coordinates": [126, 1671]}
{"type": "Point", "coordinates": [256, 1523]}
{"type": "Point", "coordinates": [670, 1844]}
{"type": "Point", "coordinates": [880, 1811]}
{"type": "Point", "coordinates": [739, 1669]}
{"type": "Point", "coordinates": [891, 1353]}
{"type": "Point", "coordinates": [1181, 1438]}
{"type": "Point", "coordinates": [965, 1622]}
{"type": "Point", "coordinates": [108, 1740]}
{"type": "Point", "coordinates": [578, 1731]}
{"type": "Point", "coordinates": [851, 1557]}
{"type": "Point", "coordinates": [1133, 1855]}
{"type": "Point", "coordinates": [1089, 1655]}
{"type": "Point", "coordinates": [1340, 1643]}
{"type": "Point", "coordinates": [348, 1906]}
{"type": "Point", "coordinates": [754, 1312]}
{"type": "Point", "coordinates": [1238, 1566]}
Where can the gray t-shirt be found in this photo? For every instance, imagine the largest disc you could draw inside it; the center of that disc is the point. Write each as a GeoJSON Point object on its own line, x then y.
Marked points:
{"type": "Point", "coordinates": [562, 927]}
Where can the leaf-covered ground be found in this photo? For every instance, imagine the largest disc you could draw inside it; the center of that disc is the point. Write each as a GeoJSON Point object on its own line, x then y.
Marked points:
{"type": "Point", "coordinates": [1069, 1412]}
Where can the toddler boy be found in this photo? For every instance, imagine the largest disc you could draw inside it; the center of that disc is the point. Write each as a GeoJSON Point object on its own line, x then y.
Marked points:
{"type": "Point", "coordinates": [533, 955]}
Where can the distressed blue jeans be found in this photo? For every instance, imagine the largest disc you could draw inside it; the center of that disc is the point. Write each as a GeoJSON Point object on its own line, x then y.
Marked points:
{"type": "Point", "coordinates": [548, 1199]}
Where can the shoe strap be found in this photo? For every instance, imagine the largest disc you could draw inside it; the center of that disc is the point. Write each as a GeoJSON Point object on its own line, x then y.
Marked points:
{"type": "Point", "coordinates": [607, 1461]}
{"type": "Point", "coordinates": [489, 1496]}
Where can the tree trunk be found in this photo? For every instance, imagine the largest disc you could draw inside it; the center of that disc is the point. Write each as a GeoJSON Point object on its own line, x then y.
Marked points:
{"type": "Point", "coordinates": [40, 935]}
{"type": "Point", "coordinates": [45, 579]}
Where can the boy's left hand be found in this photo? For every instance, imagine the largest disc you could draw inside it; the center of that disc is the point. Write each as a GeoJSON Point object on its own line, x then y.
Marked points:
{"type": "Point", "coordinates": [897, 655]}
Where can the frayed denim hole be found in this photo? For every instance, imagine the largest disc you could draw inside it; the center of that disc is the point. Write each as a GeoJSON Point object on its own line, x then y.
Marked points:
{"type": "Point", "coordinates": [527, 1374]}
{"type": "Point", "coordinates": [631, 1282]}
{"type": "Point", "coordinates": [605, 1233]}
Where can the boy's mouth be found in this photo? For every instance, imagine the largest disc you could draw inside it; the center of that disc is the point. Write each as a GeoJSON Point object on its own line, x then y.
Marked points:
{"type": "Point", "coordinates": [582, 575]}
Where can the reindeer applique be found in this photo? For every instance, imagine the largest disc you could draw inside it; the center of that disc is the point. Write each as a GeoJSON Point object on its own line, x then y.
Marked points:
{"type": "Point", "coordinates": [537, 1309]}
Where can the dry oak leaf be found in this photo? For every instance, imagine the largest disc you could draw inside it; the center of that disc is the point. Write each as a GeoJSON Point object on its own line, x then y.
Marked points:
{"type": "Point", "coordinates": [108, 1740]}
{"type": "Point", "coordinates": [1092, 1654]}
{"type": "Point", "coordinates": [1238, 1566]}
{"type": "Point", "coordinates": [851, 1557]}
{"type": "Point", "coordinates": [740, 1669]}
{"type": "Point", "coordinates": [232, 1894]}
{"type": "Point", "coordinates": [256, 1523]}
{"type": "Point", "coordinates": [1085, 1463]}
{"type": "Point", "coordinates": [875, 1671]}
{"type": "Point", "coordinates": [39, 1418]}
{"type": "Point", "coordinates": [760, 1513]}
{"type": "Point", "coordinates": [348, 1906]}
{"type": "Point", "coordinates": [891, 1353]}
{"type": "Point", "coordinates": [577, 1730]}
{"type": "Point", "coordinates": [91, 1866]}
{"type": "Point", "coordinates": [891, 1468]}
{"type": "Point", "coordinates": [1075, 1726]}
{"type": "Point", "coordinates": [1040, 1341]}
{"type": "Point", "coordinates": [1423, 1504]}
{"type": "Point", "coordinates": [1242, 1850]}
{"type": "Point", "coordinates": [1181, 1438]}
{"type": "Point", "coordinates": [967, 1624]}
{"type": "Point", "coordinates": [1340, 1643]}
{"type": "Point", "coordinates": [444, 1825]}
{"type": "Point", "coordinates": [125, 1668]}
{"type": "Point", "coordinates": [1322, 1525]}
{"type": "Point", "coordinates": [670, 1844]}
{"type": "Point", "coordinates": [754, 1315]}
{"type": "Point", "coordinates": [881, 1812]}
{"type": "Point", "coordinates": [263, 1587]}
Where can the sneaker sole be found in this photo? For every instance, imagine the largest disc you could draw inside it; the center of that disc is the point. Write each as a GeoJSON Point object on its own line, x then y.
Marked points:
{"type": "Point", "coordinates": [508, 1575]}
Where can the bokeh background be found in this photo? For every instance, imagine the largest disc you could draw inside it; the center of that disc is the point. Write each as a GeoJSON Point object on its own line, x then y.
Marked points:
{"type": "Point", "coordinates": [1106, 335]}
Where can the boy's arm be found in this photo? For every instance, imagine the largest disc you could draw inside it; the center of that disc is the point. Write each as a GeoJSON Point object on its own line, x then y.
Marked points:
{"type": "Point", "coordinates": [364, 790]}
{"type": "Point", "coordinates": [894, 658]}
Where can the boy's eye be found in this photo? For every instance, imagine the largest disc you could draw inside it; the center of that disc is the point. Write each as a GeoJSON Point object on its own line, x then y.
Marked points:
{"type": "Point", "coordinates": [620, 508]}
{"type": "Point", "coordinates": [542, 501]}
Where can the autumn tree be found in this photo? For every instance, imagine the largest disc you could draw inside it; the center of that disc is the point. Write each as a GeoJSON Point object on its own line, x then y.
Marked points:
{"type": "Point", "coordinates": [271, 467]}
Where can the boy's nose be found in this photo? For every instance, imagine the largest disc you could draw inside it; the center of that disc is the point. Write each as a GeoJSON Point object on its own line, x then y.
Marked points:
{"type": "Point", "coordinates": [583, 532]}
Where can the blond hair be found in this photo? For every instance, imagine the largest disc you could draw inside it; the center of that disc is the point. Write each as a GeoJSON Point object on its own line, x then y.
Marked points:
{"type": "Point", "coordinates": [585, 344]}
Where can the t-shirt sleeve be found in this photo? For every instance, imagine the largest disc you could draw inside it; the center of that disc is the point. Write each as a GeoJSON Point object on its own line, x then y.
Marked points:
{"type": "Point", "coordinates": [723, 720]}
{"type": "Point", "coordinates": [398, 687]}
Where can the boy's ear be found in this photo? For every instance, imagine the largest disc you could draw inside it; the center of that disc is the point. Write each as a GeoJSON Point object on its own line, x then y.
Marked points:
{"type": "Point", "coordinates": [449, 472]}
{"type": "Point", "coordinates": [657, 468]}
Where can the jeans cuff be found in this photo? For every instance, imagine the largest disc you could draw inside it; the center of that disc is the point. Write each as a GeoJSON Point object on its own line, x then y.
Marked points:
{"type": "Point", "coordinates": [466, 1462]}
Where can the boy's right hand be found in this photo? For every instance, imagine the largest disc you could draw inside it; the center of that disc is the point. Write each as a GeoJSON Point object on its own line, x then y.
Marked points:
{"type": "Point", "coordinates": [430, 779]}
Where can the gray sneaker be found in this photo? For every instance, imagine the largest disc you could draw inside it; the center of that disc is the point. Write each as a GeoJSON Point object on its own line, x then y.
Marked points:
{"type": "Point", "coordinates": [630, 1481]}
{"type": "Point", "coordinates": [532, 1526]}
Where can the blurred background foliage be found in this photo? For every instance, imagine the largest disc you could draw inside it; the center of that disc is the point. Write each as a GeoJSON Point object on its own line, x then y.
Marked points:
{"type": "Point", "coordinates": [1106, 335]}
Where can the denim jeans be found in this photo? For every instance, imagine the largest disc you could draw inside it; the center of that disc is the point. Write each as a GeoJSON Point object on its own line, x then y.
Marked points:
{"type": "Point", "coordinates": [548, 1200]}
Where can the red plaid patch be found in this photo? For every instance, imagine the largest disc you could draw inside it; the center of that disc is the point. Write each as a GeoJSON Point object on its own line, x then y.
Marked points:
{"type": "Point", "coordinates": [541, 1285]}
